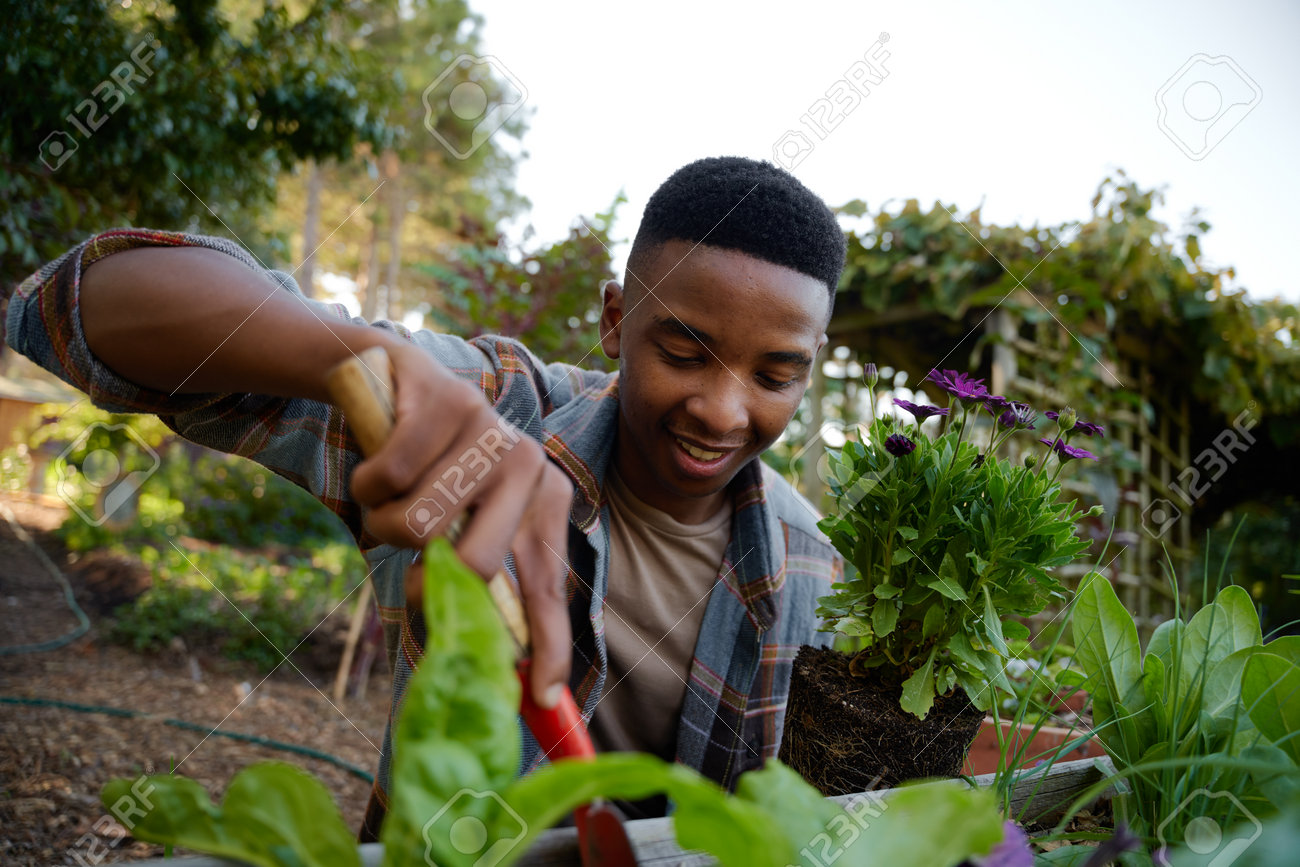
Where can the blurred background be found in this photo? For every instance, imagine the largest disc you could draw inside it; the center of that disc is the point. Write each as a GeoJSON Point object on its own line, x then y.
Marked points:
{"type": "Point", "coordinates": [1084, 206]}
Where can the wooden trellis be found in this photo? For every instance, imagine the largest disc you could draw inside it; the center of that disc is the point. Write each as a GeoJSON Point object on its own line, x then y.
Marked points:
{"type": "Point", "coordinates": [1147, 446]}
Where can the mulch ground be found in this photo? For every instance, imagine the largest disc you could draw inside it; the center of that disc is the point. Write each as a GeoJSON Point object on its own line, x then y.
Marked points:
{"type": "Point", "coordinates": [54, 761]}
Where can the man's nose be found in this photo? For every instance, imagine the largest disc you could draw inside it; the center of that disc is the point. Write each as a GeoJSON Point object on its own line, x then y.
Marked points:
{"type": "Point", "coordinates": [721, 406]}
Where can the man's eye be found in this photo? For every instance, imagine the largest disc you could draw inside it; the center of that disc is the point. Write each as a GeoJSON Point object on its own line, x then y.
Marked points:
{"type": "Point", "coordinates": [775, 383]}
{"type": "Point", "coordinates": [679, 359]}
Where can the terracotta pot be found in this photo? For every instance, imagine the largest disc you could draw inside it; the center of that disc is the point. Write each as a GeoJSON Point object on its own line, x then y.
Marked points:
{"type": "Point", "coordinates": [984, 752]}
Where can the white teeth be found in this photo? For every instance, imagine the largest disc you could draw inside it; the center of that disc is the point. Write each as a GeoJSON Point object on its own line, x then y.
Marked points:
{"type": "Point", "coordinates": [699, 454]}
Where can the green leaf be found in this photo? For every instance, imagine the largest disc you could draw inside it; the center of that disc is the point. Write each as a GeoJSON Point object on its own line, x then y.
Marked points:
{"type": "Point", "coordinates": [884, 615]}
{"type": "Point", "coordinates": [935, 617]}
{"type": "Point", "coordinates": [458, 725]}
{"type": "Point", "coordinates": [993, 625]}
{"type": "Point", "coordinates": [1014, 630]}
{"type": "Point", "coordinates": [918, 690]}
{"type": "Point", "coordinates": [901, 555]}
{"type": "Point", "coordinates": [886, 591]}
{"type": "Point", "coordinates": [1221, 628]}
{"type": "Point", "coordinates": [903, 829]}
{"type": "Point", "coordinates": [1270, 689]}
{"type": "Point", "coordinates": [946, 582]}
{"type": "Point", "coordinates": [273, 814]}
{"type": "Point", "coordinates": [1221, 698]}
{"type": "Point", "coordinates": [1106, 642]}
{"type": "Point", "coordinates": [908, 533]}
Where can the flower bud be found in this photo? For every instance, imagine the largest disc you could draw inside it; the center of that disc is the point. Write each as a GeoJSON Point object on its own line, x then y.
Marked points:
{"type": "Point", "coordinates": [870, 375]}
{"type": "Point", "coordinates": [1065, 421]}
{"type": "Point", "coordinates": [1031, 461]}
{"type": "Point", "coordinates": [1095, 511]}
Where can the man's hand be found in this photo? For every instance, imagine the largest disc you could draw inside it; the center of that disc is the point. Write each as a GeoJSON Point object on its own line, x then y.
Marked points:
{"type": "Point", "coordinates": [450, 454]}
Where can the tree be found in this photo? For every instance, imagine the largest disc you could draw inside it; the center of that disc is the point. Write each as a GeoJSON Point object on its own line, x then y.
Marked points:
{"type": "Point", "coordinates": [172, 115]}
{"type": "Point", "coordinates": [548, 298]}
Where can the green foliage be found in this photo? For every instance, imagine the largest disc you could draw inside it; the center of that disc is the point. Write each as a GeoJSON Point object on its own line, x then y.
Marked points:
{"type": "Point", "coordinates": [549, 298]}
{"type": "Point", "coordinates": [1206, 707]}
{"type": "Point", "coordinates": [1263, 551]}
{"type": "Point", "coordinates": [1032, 674]}
{"type": "Point", "coordinates": [456, 751]}
{"type": "Point", "coordinates": [221, 99]}
{"type": "Point", "coordinates": [944, 549]}
{"type": "Point", "coordinates": [246, 606]}
{"type": "Point", "coordinates": [1120, 281]}
{"type": "Point", "coordinates": [243, 561]}
{"type": "Point", "coordinates": [1249, 843]}
{"type": "Point", "coordinates": [273, 815]}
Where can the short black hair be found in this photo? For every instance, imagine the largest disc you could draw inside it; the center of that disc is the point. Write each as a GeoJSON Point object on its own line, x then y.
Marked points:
{"type": "Point", "coordinates": [750, 206]}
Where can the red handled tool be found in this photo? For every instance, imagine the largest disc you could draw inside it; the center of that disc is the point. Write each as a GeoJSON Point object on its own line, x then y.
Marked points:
{"type": "Point", "coordinates": [362, 387]}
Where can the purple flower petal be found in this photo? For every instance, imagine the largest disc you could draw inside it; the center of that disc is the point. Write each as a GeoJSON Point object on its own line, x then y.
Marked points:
{"type": "Point", "coordinates": [1013, 851]}
{"type": "Point", "coordinates": [961, 385]}
{"type": "Point", "coordinates": [921, 411]}
{"type": "Point", "coordinates": [1086, 428]}
{"type": "Point", "coordinates": [899, 445]}
{"type": "Point", "coordinates": [1068, 452]}
{"type": "Point", "coordinates": [1020, 416]}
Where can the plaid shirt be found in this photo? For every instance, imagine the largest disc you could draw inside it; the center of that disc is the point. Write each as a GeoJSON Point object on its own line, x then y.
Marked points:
{"type": "Point", "coordinates": [761, 607]}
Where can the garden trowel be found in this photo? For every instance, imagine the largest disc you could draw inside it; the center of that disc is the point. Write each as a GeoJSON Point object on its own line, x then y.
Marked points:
{"type": "Point", "coordinates": [362, 388]}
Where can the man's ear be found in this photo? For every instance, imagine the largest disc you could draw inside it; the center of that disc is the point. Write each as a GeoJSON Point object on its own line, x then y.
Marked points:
{"type": "Point", "coordinates": [817, 356]}
{"type": "Point", "coordinates": [611, 317]}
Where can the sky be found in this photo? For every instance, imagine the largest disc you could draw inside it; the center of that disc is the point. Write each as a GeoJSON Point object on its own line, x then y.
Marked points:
{"type": "Point", "coordinates": [1019, 108]}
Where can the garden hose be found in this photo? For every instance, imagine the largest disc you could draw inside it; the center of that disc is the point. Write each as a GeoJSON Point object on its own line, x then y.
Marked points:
{"type": "Point", "coordinates": [359, 773]}
{"type": "Point", "coordinates": [83, 622]}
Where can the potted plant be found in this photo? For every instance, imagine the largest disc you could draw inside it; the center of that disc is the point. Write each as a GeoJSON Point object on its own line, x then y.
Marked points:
{"type": "Point", "coordinates": [944, 540]}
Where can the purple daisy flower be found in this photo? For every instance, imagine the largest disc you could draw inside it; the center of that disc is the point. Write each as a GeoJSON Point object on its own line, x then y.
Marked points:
{"type": "Point", "coordinates": [1013, 851]}
{"type": "Point", "coordinates": [1067, 452]}
{"type": "Point", "coordinates": [963, 386]}
{"type": "Point", "coordinates": [1020, 416]}
{"type": "Point", "coordinates": [921, 411]}
{"type": "Point", "coordinates": [899, 445]}
{"type": "Point", "coordinates": [995, 404]}
{"type": "Point", "coordinates": [1086, 428]}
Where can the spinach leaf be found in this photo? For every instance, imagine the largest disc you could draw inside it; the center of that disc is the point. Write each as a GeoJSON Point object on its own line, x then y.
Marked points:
{"type": "Point", "coordinates": [273, 815]}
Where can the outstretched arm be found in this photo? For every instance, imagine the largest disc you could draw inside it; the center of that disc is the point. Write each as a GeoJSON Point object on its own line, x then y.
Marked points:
{"type": "Point", "coordinates": [192, 320]}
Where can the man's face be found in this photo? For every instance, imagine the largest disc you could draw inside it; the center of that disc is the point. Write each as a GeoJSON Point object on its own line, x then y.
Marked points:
{"type": "Point", "coordinates": [715, 349]}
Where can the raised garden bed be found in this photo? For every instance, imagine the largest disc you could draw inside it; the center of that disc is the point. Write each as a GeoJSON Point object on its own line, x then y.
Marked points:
{"type": "Point", "coordinates": [1041, 799]}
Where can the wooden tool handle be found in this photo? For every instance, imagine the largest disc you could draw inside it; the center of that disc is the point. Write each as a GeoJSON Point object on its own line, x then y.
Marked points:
{"type": "Point", "coordinates": [362, 386]}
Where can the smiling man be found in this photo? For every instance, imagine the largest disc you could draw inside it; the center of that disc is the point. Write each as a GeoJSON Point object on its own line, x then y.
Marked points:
{"type": "Point", "coordinates": [692, 569]}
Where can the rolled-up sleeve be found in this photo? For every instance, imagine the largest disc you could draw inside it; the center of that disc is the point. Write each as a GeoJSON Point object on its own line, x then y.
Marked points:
{"type": "Point", "coordinates": [306, 441]}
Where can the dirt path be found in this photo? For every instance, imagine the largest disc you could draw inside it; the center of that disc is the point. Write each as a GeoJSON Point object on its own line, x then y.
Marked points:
{"type": "Point", "coordinates": [54, 761]}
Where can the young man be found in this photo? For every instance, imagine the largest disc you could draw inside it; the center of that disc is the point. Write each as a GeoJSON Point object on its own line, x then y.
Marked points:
{"type": "Point", "coordinates": [692, 569]}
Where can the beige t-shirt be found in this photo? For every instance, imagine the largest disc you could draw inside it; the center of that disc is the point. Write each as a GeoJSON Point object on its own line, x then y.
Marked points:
{"type": "Point", "coordinates": [660, 575]}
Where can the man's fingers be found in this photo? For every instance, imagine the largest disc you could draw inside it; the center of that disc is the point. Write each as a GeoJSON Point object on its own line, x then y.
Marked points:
{"type": "Point", "coordinates": [417, 440]}
{"type": "Point", "coordinates": [541, 551]}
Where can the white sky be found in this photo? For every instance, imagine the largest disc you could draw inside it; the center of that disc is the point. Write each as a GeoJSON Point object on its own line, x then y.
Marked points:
{"type": "Point", "coordinates": [1022, 106]}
